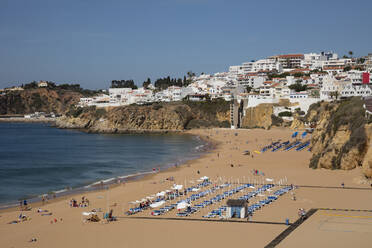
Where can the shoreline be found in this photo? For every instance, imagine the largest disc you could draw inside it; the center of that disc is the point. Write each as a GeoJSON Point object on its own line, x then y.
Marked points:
{"type": "Point", "coordinates": [27, 120]}
{"type": "Point", "coordinates": [227, 159]}
{"type": "Point", "coordinates": [109, 183]}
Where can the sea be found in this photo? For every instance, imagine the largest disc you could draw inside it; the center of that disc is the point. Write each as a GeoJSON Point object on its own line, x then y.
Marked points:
{"type": "Point", "coordinates": [37, 159]}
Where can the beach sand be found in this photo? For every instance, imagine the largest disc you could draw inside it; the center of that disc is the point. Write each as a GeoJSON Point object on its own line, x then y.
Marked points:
{"type": "Point", "coordinates": [161, 231]}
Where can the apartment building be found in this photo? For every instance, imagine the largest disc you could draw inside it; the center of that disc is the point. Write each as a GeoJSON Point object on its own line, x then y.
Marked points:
{"type": "Point", "coordinates": [289, 60]}
{"type": "Point", "coordinates": [254, 79]}
{"type": "Point", "coordinates": [262, 65]}
{"type": "Point", "coordinates": [351, 89]}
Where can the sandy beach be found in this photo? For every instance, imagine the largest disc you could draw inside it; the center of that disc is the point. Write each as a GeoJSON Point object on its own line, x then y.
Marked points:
{"type": "Point", "coordinates": [227, 162]}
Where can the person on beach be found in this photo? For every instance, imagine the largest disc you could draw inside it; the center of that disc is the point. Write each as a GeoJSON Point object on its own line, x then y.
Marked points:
{"type": "Point", "coordinates": [43, 200]}
{"type": "Point", "coordinates": [20, 205]}
{"type": "Point", "coordinates": [342, 185]}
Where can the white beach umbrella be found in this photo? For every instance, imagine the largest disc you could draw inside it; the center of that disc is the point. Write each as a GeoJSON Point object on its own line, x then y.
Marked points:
{"type": "Point", "coordinates": [161, 193]}
{"type": "Point", "coordinates": [157, 204]}
{"type": "Point", "coordinates": [182, 205]}
{"type": "Point", "coordinates": [177, 187]}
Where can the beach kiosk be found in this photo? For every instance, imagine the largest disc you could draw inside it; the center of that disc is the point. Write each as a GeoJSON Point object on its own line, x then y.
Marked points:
{"type": "Point", "coordinates": [237, 208]}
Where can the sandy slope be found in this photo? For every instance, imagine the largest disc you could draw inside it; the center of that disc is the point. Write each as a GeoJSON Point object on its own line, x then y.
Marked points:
{"type": "Point", "coordinates": [130, 232]}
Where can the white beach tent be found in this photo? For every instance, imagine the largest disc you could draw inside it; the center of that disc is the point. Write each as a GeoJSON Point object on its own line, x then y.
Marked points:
{"type": "Point", "coordinates": [204, 178]}
{"type": "Point", "coordinates": [269, 179]}
{"type": "Point", "coordinates": [88, 213]}
{"type": "Point", "coordinates": [182, 205]}
{"type": "Point", "coordinates": [161, 193]}
{"type": "Point", "coordinates": [157, 204]}
{"type": "Point", "coordinates": [177, 187]}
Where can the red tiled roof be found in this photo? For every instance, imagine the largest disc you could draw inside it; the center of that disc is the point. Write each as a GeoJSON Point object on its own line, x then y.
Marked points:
{"type": "Point", "coordinates": [290, 55]}
{"type": "Point", "coordinates": [333, 67]}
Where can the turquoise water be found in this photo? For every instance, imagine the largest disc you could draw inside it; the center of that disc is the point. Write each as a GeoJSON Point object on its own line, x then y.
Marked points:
{"type": "Point", "coordinates": [37, 159]}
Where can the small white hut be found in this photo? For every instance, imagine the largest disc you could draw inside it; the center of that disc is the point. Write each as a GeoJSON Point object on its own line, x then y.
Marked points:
{"type": "Point", "coordinates": [237, 209]}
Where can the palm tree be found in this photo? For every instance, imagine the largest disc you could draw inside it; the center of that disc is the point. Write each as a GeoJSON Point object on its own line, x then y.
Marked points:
{"type": "Point", "coordinates": [350, 53]}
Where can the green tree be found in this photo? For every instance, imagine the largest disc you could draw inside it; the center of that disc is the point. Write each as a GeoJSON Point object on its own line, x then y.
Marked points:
{"type": "Point", "coordinates": [146, 83]}
{"type": "Point", "coordinates": [347, 68]}
{"type": "Point", "coordinates": [248, 89]}
{"type": "Point", "coordinates": [190, 74]}
{"type": "Point", "coordinates": [350, 53]}
{"type": "Point", "coordinates": [123, 84]}
{"type": "Point", "coordinates": [298, 87]}
{"type": "Point", "coordinates": [334, 94]}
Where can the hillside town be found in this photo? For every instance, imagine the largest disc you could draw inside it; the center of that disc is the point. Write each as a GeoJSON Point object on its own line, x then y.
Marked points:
{"type": "Point", "coordinates": [301, 78]}
{"type": "Point", "coordinates": [304, 78]}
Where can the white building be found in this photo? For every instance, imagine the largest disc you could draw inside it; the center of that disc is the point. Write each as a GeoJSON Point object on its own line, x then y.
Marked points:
{"type": "Point", "coordinates": [99, 101]}
{"type": "Point", "coordinates": [350, 90]}
{"type": "Point", "coordinates": [253, 80]}
{"type": "Point", "coordinates": [299, 95]}
{"type": "Point", "coordinates": [368, 62]}
{"type": "Point", "coordinates": [42, 84]}
{"type": "Point", "coordinates": [119, 95]}
{"type": "Point", "coordinates": [316, 60]}
{"type": "Point", "coordinates": [262, 65]}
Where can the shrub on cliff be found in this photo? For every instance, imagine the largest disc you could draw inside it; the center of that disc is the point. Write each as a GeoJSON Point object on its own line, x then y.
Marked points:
{"type": "Point", "coordinates": [37, 103]}
{"type": "Point", "coordinates": [100, 112]}
{"type": "Point", "coordinates": [348, 113]}
{"type": "Point", "coordinates": [210, 107]}
{"type": "Point", "coordinates": [74, 112]}
{"type": "Point", "coordinates": [285, 113]}
{"type": "Point", "coordinates": [276, 121]}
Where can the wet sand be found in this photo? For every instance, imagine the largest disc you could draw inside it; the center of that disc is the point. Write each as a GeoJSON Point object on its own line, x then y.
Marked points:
{"type": "Point", "coordinates": [70, 231]}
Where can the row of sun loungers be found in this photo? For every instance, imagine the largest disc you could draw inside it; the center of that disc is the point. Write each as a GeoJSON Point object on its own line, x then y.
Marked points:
{"type": "Point", "coordinates": [303, 146]}
{"type": "Point", "coordinates": [287, 145]}
{"type": "Point", "coordinates": [272, 145]}
{"type": "Point", "coordinates": [252, 208]}
{"type": "Point", "coordinates": [205, 203]}
{"type": "Point", "coordinates": [169, 207]}
{"type": "Point", "coordinates": [218, 212]}
{"type": "Point", "coordinates": [283, 144]}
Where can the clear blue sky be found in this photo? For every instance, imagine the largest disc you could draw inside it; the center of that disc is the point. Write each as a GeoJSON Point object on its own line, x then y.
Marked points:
{"type": "Point", "coordinates": [94, 42]}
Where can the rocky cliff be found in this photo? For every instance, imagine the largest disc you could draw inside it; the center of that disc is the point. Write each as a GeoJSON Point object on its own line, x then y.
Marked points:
{"type": "Point", "coordinates": [154, 117]}
{"type": "Point", "coordinates": [342, 137]}
{"type": "Point", "coordinates": [262, 116]}
{"type": "Point", "coordinates": [259, 116]}
{"type": "Point", "coordinates": [38, 100]}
